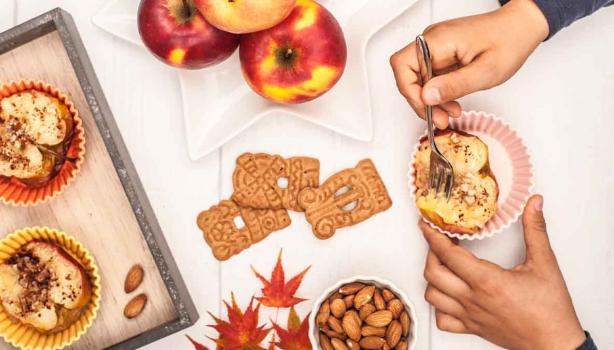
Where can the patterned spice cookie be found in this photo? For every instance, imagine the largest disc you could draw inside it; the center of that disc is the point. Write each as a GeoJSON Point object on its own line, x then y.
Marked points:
{"type": "Point", "coordinates": [266, 181]}
{"type": "Point", "coordinates": [345, 199]}
{"type": "Point", "coordinates": [229, 229]}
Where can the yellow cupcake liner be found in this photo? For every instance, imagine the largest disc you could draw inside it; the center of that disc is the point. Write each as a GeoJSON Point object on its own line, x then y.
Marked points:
{"type": "Point", "coordinates": [26, 337]}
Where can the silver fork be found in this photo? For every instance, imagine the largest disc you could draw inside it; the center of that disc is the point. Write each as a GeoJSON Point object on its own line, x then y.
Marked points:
{"type": "Point", "coordinates": [440, 169]}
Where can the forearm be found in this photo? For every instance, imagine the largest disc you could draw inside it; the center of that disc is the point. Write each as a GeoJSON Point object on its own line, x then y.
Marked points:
{"type": "Point", "coordinates": [561, 13]}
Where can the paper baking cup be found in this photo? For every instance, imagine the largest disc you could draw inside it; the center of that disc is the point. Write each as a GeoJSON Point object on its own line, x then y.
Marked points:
{"type": "Point", "coordinates": [510, 163]}
{"type": "Point", "coordinates": [14, 192]}
{"type": "Point", "coordinates": [26, 337]}
{"type": "Point", "coordinates": [314, 330]}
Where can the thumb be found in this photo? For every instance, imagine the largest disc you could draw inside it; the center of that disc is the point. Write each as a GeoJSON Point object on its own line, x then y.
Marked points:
{"type": "Point", "coordinates": [535, 235]}
{"type": "Point", "coordinates": [458, 83]}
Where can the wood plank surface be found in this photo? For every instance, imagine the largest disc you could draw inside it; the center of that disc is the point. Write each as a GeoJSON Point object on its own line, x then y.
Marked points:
{"type": "Point", "coordinates": [387, 245]}
{"type": "Point", "coordinates": [7, 15]}
{"type": "Point", "coordinates": [561, 103]}
{"type": "Point", "coordinates": [566, 84]}
{"type": "Point", "coordinates": [94, 208]}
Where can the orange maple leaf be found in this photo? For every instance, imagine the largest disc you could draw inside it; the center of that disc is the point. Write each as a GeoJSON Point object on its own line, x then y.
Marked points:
{"type": "Point", "coordinates": [276, 292]}
{"type": "Point", "coordinates": [296, 337]}
{"type": "Point", "coordinates": [241, 332]}
{"type": "Point", "coordinates": [197, 345]}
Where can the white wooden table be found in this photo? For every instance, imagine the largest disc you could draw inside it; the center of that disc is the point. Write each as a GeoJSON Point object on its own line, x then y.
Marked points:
{"type": "Point", "coordinates": [561, 102]}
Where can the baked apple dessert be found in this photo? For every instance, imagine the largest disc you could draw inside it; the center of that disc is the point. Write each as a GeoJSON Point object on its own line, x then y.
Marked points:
{"type": "Point", "coordinates": [43, 286]}
{"type": "Point", "coordinates": [36, 130]}
{"type": "Point", "coordinates": [473, 199]}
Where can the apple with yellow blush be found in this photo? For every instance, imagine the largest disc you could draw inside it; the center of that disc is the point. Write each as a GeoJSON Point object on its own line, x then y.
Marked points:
{"type": "Point", "coordinates": [176, 33]}
{"type": "Point", "coordinates": [245, 16]}
{"type": "Point", "coordinates": [299, 59]}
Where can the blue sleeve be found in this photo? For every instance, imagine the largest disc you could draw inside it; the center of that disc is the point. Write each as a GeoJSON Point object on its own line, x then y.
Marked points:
{"type": "Point", "coordinates": [588, 344]}
{"type": "Point", "coordinates": [561, 13]}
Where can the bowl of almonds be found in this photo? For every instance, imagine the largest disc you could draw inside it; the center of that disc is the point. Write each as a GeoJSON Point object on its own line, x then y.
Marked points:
{"type": "Point", "coordinates": [363, 312]}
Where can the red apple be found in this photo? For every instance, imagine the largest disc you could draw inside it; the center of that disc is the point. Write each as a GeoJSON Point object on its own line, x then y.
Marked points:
{"type": "Point", "coordinates": [177, 33]}
{"type": "Point", "coordinates": [297, 60]}
{"type": "Point", "coordinates": [245, 16]}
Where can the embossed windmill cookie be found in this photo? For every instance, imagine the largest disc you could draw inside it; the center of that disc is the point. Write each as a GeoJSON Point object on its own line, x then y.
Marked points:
{"type": "Point", "coordinates": [345, 199]}
{"type": "Point", "coordinates": [230, 229]}
{"type": "Point", "coordinates": [270, 181]}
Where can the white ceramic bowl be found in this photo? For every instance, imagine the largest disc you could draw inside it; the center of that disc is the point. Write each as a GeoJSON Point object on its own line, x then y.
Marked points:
{"type": "Point", "coordinates": [379, 282]}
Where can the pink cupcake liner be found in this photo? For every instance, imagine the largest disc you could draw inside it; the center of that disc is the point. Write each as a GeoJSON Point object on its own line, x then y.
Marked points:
{"type": "Point", "coordinates": [510, 162]}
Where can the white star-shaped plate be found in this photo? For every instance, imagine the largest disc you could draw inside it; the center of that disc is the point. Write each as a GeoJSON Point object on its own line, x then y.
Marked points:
{"type": "Point", "coordinates": [218, 104]}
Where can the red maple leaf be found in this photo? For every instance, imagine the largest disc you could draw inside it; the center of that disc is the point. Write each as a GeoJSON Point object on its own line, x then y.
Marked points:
{"type": "Point", "coordinates": [197, 345]}
{"type": "Point", "coordinates": [296, 336]}
{"type": "Point", "coordinates": [272, 342]}
{"type": "Point", "coordinates": [276, 292]}
{"type": "Point", "coordinates": [241, 332]}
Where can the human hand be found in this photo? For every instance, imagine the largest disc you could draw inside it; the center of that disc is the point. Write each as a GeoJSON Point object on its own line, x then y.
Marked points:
{"type": "Point", "coordinates": [469, 54]}
{"type": "Point", "coordinates": [527, 307]}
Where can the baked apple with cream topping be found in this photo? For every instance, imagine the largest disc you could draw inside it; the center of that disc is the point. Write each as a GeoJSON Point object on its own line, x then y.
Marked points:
{"type": "Point", "coordinates": [43, 286]}
{"type": "Point", "coordinates": [35, 132]}
{"type": "Point", "coordinates": [473, 200]}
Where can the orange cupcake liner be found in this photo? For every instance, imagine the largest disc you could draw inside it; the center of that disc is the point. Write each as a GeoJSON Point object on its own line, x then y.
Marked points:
{"type": "Point", "coordinates": [26, 337]}
{"type": "Point", "coordinates": [12, 191]}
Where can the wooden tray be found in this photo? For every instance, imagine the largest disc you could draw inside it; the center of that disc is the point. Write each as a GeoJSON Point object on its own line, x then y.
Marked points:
{"type": "Point", "coordinates": [106, 207]}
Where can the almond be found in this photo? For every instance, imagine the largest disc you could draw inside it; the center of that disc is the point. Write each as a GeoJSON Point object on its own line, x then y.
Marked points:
{"type": "Point", "coordinates": [378, 300]}
{"type": "Point", "coordinates": [135, 306]}
{"type": "Point", "coordinates": [393, 333]}
{"type": "Point", "coordinates": [352, 345]}
{"type": "Point", "coordinates": [332, 334]}
{"type": "Point", "coordinates": [351, 288]}
{"type": "Point", "coordinates": [325, 342]}
{"type": "Point", "coordinates": [338, 344]}
{"type": "Point", "coordinates": [323, 314]}
{"type": "Point", "coordinates": [335, 295]}
{"type": "Point", "coordinates": [396, 307]}
{"type": "Point", "coordinates": [363, 296]}
{"type": "Point", "coordinates": [379, 318]}
{"type": "Point", "coordinates": [349, 301]}
{"type": "Point", "coordinates": [325, 307]}
{"type": "Point", "coordinates": [387, 295]}
{"type": "Point", "coordinates": [372, 343]}
{"type": "Point", "coordinates": [133, 278]}
{"type": "Point", "coordinates": [366, 310]}
{"type": "Point", "coordinates": [337, 308]}
{"type": "Point", "coordinates": [376, 331]}
{"type": "Point", "coordinates": [351, 325]}
{"type": "Point", "coordinates": [322, 319]}
{"type": "Point", "coordinates": [385, 347]}
{"type": "Point", "coordinates": [405, 323]}
{"type": "Point", "coordinates": [401, 345]}
{"type": "Point", "coordinates": [335, 324]}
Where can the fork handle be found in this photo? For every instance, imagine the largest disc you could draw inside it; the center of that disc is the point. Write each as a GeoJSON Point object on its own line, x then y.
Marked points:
{"type": "Point", "coordinates": [426, 73]}
{"type": "Point", "coordinates": [431, 128]}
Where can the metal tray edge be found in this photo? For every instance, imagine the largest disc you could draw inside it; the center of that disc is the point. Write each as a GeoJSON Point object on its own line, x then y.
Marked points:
{"type": "Point", "coordinates": [60, 20]}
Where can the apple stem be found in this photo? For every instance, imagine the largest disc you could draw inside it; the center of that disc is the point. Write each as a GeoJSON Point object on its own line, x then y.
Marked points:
{"type": "Point", "coordinates": [288, 53]}
{"type": "Point", "coordinates": [187, 8]}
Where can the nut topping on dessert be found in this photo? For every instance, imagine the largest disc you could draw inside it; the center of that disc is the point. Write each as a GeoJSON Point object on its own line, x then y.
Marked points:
{"type": "Point", "coordinates": [474, 195]}
{"type": "Point", "coordinates": [43, 286]}
{"type": "Point", "coordinates": [30, 123]}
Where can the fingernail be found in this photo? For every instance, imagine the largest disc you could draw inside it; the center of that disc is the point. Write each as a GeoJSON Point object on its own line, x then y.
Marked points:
{"type": "Point", "coordinates": [538, 203]}
{"type": "Point", "coordinates": [432, 96]}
